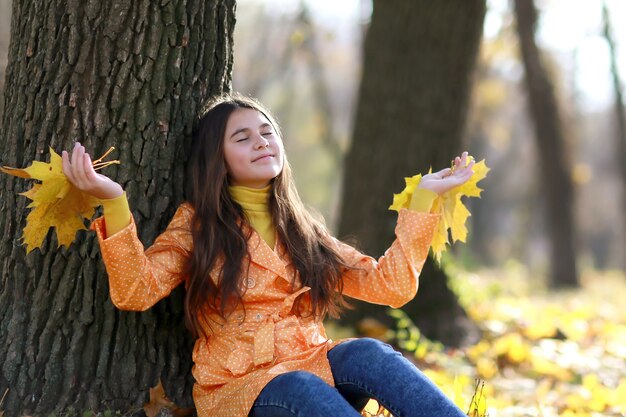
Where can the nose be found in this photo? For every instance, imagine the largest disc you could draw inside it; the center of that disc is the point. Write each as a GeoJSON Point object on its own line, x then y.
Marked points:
{"type": "Point", "coordinates": [262, 142]}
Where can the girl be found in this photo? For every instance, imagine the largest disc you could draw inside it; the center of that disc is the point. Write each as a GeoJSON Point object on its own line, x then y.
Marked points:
{"type": "Point", "coordinates": [261, 274]}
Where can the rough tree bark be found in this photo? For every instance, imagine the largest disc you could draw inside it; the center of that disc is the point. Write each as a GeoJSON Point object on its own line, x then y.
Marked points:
{"type": "Point", "coordinates": [117, 73]}
{"type": "Point", "coordinates": [418, 63]}
{"type": "Point", "coordinates": [620, 118]}
{"type": "Point", "coordinates": [5, 24]}
{"type": "Point", "coordinates": [555, 171]}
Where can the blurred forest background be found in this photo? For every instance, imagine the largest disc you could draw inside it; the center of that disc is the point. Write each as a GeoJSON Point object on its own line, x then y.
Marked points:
{"type": "Point", "coordinates": [303, 59]}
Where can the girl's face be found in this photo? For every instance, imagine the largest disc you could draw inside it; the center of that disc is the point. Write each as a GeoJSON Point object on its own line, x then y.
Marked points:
{"type": "Point", "coordinates": [252, 149]}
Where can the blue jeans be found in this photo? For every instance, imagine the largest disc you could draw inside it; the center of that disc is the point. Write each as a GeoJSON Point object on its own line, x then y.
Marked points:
{"type": "Point", "coordinates": [362, 369]}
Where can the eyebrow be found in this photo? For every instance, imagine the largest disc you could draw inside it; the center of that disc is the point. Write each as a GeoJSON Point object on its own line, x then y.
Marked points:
{"type": "Point", "coordinates": [243, 129]}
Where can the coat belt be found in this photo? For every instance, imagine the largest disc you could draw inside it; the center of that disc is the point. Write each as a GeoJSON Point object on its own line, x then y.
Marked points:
{"type": "Point", "coordinates": [264, 339]}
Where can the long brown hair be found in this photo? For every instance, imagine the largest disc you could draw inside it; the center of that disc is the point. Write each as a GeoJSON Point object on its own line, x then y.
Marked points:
{"type": "Point", "coordinates": [220, 240]}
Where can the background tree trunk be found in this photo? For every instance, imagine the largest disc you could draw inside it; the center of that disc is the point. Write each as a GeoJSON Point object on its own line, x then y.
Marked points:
{"type": "Point", "coordinates": [418, 63]}
{"type": "Point", "coordinates": [620, 118]}
{"type": "Point", "coordinates": [555, 171]}
{"type": "Point", "coordinates": [129, 74]}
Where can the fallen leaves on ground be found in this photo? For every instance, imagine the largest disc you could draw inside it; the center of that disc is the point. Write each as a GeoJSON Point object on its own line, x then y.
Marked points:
{"type": "Point", "coordinates": [543, 353]}
{"type": "Point", "coordinates": [159, 401]}
{"type": "Point", "coordinates": [55, 201]}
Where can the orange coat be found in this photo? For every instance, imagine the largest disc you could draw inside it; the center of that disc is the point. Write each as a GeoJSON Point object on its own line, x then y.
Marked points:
{"type": "Point", "coordinates": [244, 352]}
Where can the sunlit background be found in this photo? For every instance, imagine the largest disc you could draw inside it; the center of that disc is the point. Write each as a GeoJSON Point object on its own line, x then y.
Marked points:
{"type": "Point", "coordinates": [302, 58]}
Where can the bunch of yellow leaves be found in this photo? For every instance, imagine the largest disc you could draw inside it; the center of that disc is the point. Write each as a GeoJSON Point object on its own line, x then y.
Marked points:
{"type": "Point", "coordinates": [56, 202]}
{"type": "Point", "coordinates": [453, 212]}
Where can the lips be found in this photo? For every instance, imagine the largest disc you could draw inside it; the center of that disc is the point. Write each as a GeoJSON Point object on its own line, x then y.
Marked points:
{"type": "Point", "coordinates": [262, 157]}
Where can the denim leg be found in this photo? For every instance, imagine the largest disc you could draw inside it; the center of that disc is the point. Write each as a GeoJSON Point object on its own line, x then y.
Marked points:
{"type": "Point", "coordinates": [300, 394]}
{"type": "Point", "coordinates": [370, 368]}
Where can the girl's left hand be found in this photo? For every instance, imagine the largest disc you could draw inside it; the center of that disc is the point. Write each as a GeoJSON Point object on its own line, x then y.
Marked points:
{"type": "Point", "coordinates": [446, 179]}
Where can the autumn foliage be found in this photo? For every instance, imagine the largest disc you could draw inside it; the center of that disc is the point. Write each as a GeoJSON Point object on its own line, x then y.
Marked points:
{"type": "Point", "coordinates": [55, 201]}
{"type": "Point", "coordinates": [453, 212]}
{"type": "Point", "coordinates": [543, 353]}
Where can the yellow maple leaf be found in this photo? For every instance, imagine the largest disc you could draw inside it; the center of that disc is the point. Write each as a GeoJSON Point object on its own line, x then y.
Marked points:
{"type": "Point", "coordinates": [453, 212]}
{"type": "Point", "coordinates": [402, 200]}
{"type": "Point", "coordinates": [470, 188]}
{"type": "Point", "coordinates": [55, 201]}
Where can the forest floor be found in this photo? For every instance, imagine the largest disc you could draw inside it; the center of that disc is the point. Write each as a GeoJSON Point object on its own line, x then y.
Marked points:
{"type": "Point", "coordinates": [543, 353]}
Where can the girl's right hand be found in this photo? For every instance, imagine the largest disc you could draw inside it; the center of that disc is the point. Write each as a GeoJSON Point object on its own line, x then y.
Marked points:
{"type": "Point", "coordinates": [79, 171]}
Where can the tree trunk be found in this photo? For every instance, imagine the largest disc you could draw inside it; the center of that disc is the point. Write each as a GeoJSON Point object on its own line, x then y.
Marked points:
{"type": "Point", "coordinates": [555, 172]}
{"type": "Point", "coordinates": [5, 24]}
{"type": "Point", "coordinates": [122, 73]}
{"type": "Point", "coordinates": [418, 63]}
{"type": "Point", "coordinates": [620, 118]}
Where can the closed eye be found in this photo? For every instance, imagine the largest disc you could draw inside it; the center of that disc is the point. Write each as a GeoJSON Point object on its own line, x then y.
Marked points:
{"type": "Point", "coordinates": [242, 139]}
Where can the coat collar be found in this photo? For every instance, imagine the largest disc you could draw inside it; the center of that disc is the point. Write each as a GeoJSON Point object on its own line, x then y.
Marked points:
{"type": "Point", "coordinates": [274, 260]}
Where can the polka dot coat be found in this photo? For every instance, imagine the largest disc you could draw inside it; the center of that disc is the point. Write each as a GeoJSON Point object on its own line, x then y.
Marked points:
{"type": "Point", "coordinates": [245, 351]}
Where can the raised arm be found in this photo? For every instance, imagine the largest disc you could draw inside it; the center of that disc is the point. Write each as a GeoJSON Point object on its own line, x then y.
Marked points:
{"type": "Point", "coordinates": [393, 278]}
{"type": "Point", "coordinates": [137, 278]}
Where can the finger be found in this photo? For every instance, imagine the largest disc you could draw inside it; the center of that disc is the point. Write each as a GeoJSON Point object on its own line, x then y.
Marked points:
{"type": "Point", "coordinates": [73, 156]}
{"type": "Point", "coordinates": [470, 166]}
{"type": "Point", "coordinates": [466, 175]}
{"type": "Point", "coordinates": [74, 165]}
{"type": "Point", "coordinates": [90, 174]}
{"type": "Point", "coordinates": [79, 170]}
{"type": "Point", "coordinates": [67, 169]}
{"type": "Point", "coordinates": [463, 159]}
{"type": "Point", "coordinates": [444, 172]}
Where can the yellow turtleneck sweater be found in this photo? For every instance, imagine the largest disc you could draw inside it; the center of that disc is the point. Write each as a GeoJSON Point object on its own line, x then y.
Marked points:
{"type": "Point", "coordinates": [254, 203]}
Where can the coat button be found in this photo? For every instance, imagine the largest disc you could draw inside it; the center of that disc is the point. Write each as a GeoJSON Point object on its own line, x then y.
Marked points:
{"type": "Point", "coordinates": [250, 283]}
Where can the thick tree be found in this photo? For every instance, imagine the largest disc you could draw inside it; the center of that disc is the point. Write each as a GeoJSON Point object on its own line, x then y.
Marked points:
{"type": "Point", "coordinates": [5, 24]}
{"type": "Point", "coordinates": [129, 74]}
{"type": "Point", "coordinates": [557, 184]}
{"type": "Point", "coordinates": [418, 63]}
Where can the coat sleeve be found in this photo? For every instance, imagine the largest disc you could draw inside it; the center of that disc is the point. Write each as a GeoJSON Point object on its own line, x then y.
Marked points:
{"type": "Point", "coordinates": [138, 279]}
{"type": "Point", "coordinates": [393, 279]}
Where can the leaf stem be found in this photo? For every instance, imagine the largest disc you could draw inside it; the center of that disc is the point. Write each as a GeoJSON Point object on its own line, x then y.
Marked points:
{"type": "Point", "coordinates": [98, 164]}
{"type": "Point", "coordinates": [6, 391]}
{"type": "Point", "coordinates": [101, 165]}
{"type": "Point", "coordinates": [111, 149]}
